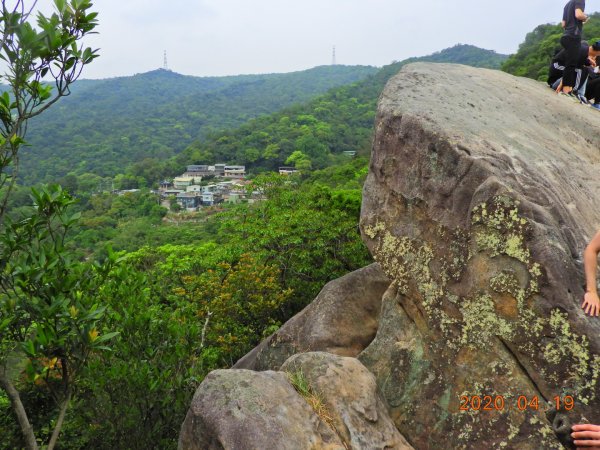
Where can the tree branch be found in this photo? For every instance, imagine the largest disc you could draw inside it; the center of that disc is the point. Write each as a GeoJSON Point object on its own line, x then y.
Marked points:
{"type": "Point", "coordinates": [19, 410]}
{"type": "Point", "coordinates": [59, 422]}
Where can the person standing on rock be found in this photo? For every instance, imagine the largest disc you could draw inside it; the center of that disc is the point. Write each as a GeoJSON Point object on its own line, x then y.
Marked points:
{"type": "Point", "coordinates": [572, 23]}
{"type": "Point", "coordinates": [591, 302]}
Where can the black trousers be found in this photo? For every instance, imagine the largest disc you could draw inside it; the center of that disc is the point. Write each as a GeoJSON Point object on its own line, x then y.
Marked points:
{"type": "Point", "coordinates": [592, 90]}
{"type": "Point", "coordinates": [571, 45]}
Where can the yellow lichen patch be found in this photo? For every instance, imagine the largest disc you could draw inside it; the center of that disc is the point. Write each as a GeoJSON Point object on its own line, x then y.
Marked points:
{"type": "Point", "coordinates": [481, 322]}
{"type": "Point", "coordinates": [507, 283]}
{"type": "Point", "coordinates": [501, 230]}
{"type": "Point", "coordinates": [568, 347]}
{"type": "Point", "coordinates": [474, 286]}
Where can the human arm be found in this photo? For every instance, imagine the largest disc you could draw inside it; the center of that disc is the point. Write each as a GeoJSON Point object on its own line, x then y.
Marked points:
{"type": "Point", "coordinates": [591, 62]}
{"type": "Point", "coordinates": [563, 24]}
{"type": "Point", "coordinates": [586, 436]}
{"type": "Point", "coordinates": [591, 302]}
{"type": "Point", "coordinates": [580, 15]}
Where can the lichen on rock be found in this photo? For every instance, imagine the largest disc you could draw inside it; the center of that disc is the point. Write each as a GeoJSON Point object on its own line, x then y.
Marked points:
{"type": "Point", "coordinates": [475, 226]}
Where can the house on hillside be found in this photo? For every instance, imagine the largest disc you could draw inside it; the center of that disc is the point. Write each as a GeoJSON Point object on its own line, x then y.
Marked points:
{"type": "Point", "coordinates": [169, 192]}
{"type": "Point", "coordinates": [287, 170]}
{"type": "Point", "coordinates": [219, 170]}
{"type": "Point", "coordinates": [211, 198]}
{"type": "Point", "coordinates": [189, 200]}
{"type": "Point", "coordinates": [183, 182]}
{"type": "Point", "coordinates": [238, 172]}
{"type": "Point", "coordinates": [193, 188]}
{"type": "Point", "coordinates": [204, 170]}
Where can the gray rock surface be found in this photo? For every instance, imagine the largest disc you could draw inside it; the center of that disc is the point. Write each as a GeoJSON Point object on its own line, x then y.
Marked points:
{"type": "Point", "coordinates": [245, 410]}
{"type": "Point", "coordinates": [349, 392]}
{"type": "Point", "coordinates": [482, 192]}
{"type": "Point", "coordinates": [341, 320]}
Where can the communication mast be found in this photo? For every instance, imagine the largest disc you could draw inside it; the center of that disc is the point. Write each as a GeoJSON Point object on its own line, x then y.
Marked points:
{"type": "Point", "coordinates": [333, 63]}
{"type": "Point", "coordinates": [165, 65]}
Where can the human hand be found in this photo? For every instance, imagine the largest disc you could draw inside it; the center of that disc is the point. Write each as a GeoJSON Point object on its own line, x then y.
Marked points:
{"type": "Point", "coordinates": [586, 436]}
{"type": "Point", "coordinates": [591, 304]}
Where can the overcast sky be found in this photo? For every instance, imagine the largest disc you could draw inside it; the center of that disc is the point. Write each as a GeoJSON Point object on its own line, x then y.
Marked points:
{"type": "Point", "coordinates": [231, 37]}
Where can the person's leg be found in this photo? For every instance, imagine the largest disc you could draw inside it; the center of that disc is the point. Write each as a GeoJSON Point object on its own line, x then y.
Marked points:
{"type": "Point", "coordinates": [556, 83]}
{"type": "Point", "coordinates": [555, 72]}
{"type": "Point", "coordinates": [571, 46]}
{"type": "Point", "coordinates": [592, 90]}
{"type": "Point", "coordinates": [554, 75]}
{"type": "Point", "coordinates": [581, 80]}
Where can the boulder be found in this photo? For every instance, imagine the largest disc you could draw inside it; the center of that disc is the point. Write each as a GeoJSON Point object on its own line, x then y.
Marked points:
{"type": "Point", "coordinates": [482, 192]}
{"type": "Point", "coordinates": [341, 320]}
{"type": "Point", "coordinates": [246, 410]}
{"type": "Point", "coordinates": [351, 399]}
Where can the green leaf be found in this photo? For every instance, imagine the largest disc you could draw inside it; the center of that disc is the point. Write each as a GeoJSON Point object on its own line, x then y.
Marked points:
{"type": "Point", "coordinates": [29, 348]}
{"type": "Point", "coordinates": [106, 337]}
{"type": "Point", "coordinates": [60, 5]}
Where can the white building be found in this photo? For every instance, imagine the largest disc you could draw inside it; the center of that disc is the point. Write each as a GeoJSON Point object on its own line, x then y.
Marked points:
{"type": "Point", "coordinates": [182, 182]}
{"type": "Point", "coordinates": [235, 172]}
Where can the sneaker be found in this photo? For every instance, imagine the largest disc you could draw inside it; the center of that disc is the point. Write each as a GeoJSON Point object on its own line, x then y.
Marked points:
{"type": "Point", "coordinates": [595, 106]}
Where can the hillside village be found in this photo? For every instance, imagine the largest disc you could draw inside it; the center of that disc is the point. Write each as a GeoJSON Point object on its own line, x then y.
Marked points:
{"type": "Point", "coordinates": [191, 193]}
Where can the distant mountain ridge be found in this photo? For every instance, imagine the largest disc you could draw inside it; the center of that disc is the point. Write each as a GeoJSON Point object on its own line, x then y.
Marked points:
{"type": "Point", "coordinates": [466, 54]}
{"type": "Point", "coordinates": [108, 125]}
{"type": "Point", "coordinates": [341, 120]}
{"type": "Point", "coordinates": [105, 125]}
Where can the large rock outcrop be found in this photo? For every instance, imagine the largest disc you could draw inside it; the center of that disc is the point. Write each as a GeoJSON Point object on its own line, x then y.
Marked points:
{"type": "Point", "coordinates": [482, 192]}
{"type": "Point", "coordinates": [245, 410]}
{"type": "Point", "coordinates": [318, 401]}
{"type": "Point", "coordinates": [350, 396]}
{"type": "Point", "coordinates": [343, 320]}
{"type": "Point", "coordinates": [477, 206]}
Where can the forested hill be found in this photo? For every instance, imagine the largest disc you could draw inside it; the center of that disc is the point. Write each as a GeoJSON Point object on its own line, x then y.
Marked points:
{"type": "Point", "coordinates": [314, 132]}
{"type": "Point", "coordinates": [105, 125]}
{"type": "Point", "coordinates": [138, 126]}
{"type": "Point", "coordinates": [534, 54]}
{"type": "Point", "coordinates": [468, 55]}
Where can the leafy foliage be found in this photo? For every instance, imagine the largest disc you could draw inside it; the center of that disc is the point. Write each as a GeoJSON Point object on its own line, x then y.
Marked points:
{"type": "Point", "coordinates": [190, 309]}
{"type": "Point", "coordinates": [50, 318]}
{"type": "Point", "coordinates": [52, 50]}
{"type": "Point", "coordinates": [44, 311]}
{"type": "Point", "coordinates": [465, 54]}
{"type": "Point", "coordinates": [303, 230]}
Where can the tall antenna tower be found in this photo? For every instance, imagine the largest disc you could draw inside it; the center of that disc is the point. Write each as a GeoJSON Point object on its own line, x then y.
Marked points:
{"type": "Point", "coordinates": [333, 63]}
{"type": "Point", "coordinates": [165, 65]}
